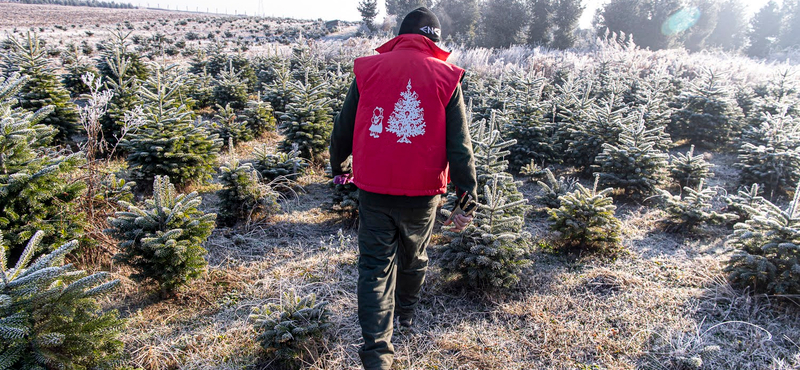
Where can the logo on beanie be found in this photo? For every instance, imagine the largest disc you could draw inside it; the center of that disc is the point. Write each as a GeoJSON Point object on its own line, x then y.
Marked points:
{"type": "Point", "coordinates": [431, 30]}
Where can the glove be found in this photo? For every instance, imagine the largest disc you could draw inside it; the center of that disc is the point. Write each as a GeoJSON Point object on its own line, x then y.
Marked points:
{"type": "Point", "coordinates": [343, 179]}
{"type": "Point", "coordinates": [461, 214]}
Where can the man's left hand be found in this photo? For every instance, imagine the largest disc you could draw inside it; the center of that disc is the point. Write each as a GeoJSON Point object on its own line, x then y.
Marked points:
{"type": "Point", "coordinates": [459, 221]}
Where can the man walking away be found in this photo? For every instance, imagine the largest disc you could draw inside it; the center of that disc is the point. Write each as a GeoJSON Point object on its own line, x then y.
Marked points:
{"type": "Point", "coordinates": [404, 122]}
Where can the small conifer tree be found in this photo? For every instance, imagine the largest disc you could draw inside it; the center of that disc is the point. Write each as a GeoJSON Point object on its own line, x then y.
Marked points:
{"type": "Point", "coordinates": [770, 154]}
{"type": "Point", "coordinates": [529, 125]}
{"type": "Point", "coordinates": [633, 163]}
{"type": "Point", "coordinates": [307, 122]}
{"type": "Point", "coordinates": [492, 250]}
{"type": "Point", "coordinates": [689, 169]}
{"type": "Point", "coordinates": [554, 188]}
{"type": "Point", "coordinates": [288, 327]}
{"type": "Point", "coordinates": [260, 117]}
{"type": "Point", "coordinates": [746, 202]}
{"type": "Point", "coordinates": [116, 49]}
{"type": "Point", "coordinates": [585, 221]}
{"type": "Point", "coordinates": [228, 127]}
{"type": "Point", "coordinates": [692, 208]}
{"type": "Point", "coordinates": [42, 87]}
{"type": "Point", "coordinates": [706, 112]}
{"type": "Point", "coordinates": [243, 196]}
{"type": "Point", "coordinates": [124, 86]}
{"type": "Point", "coordinates": [169, 143]}
{"type": "Point", "coordinates": [35, 193]}
{"type": "Point", "coordinates": [49, 315]}
{"type": "Point", "coordinates": [274, 165]}
{"type": "Point", "coordinates": [162, 239]}
{"type": "Point", "coordinates": [230, 89]}
{"type": "Point", "coordinates": [767, 256]}
{"type": "Point", "coordinates": [592, 124]}
{"type": "Point", "coordinates": [280, 89]}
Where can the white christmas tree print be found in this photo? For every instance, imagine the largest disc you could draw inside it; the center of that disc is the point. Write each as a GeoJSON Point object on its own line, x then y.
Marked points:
{"type": "Point", "coordinates": [407, 118]}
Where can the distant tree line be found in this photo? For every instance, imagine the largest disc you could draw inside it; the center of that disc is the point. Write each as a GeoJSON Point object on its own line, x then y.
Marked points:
{"type": "Point", "coordinates": [655, 24]}
{"type": "Point", "coordinates": [90, 3]}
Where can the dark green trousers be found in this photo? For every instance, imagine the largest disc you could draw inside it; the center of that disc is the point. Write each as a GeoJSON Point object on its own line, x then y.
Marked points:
{"type": "Point", "coordinates": [391, 269]}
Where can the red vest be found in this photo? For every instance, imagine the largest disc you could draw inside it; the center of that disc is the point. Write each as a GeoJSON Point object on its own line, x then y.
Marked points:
{"type": "Point", "coordinates": [399, 143]}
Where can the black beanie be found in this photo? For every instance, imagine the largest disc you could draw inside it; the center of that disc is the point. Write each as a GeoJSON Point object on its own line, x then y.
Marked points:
{"type": "Point", "coordinates": [422, 21]}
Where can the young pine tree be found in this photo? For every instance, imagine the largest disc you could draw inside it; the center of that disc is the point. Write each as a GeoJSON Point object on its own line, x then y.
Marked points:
{"type": "Point", "coordinates": [243, 196]}
{"type": "Point", "coordinates": [42, 87]}
{"type": "Point", "coordinates": [35, 191]}
{"type": "Point", "coordinates": [767, 256]}
{"type": "Point", "coordinates": [124, 85]}
{"type": "Point", "coordinates": [228, 127]}
{"type": "Point", "coordinates": [274, 165]}
{"type": "Point", "coordinates": [307, 122]}
{"type": "Point", "coordinates": [770, 154]}
{"type": "Point", "coordinates": [49, 315]}
{"type": "Point", "coordinates": [633, 164]}
{"type": "Point", "coordinates": [259, 117]}
{"type": "Point", "coordinates": [492, 250]}
{"type": "Point", "coordinates": [230, 88]}
{"type": "Point", "coordinates": [288, 328]}
{"type": "Point", "coordinates": [585, 221]}
{"type": "Point", "coordinates": [162, 239]}
{"type": "Point", "coordinates": [169, 143]}
{"type": "Point", "coordinates": [707, 114]}
{"type": "Point", "coordinates": [746, 202]}
{"type": "Point", "coordinates": [534, 133]}
{"type": "Point", "coordinates": [692, 208]}
{"type": "Point", "coordinates": [689, 169]}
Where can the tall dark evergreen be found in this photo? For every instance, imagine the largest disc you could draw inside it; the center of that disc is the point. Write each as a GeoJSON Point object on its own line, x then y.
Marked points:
{"type": "Point", "coordinates": [695, 38]}
{"type": "Point", "coordinates": [764, 30]}
{"type": "Point", "coordinates": [641, 18]}
{"type": "Point", "coordinates": [730, 32]}
{"type": "Point", "coordinates": [400, 8]}
{"type": "Point", "coordinates": [368, 10]}
{"type": "Point", "coordinates": [459, 19]}
{"type": "Point", "coordinates": [42, 87]}
{"type": "Point", "coordinates": [539, 28]}
{"type": "Point", "coordinates": [790, 32]}
{"type": "Point", "coordinates": [566, 14]}
{"type": "Point", "coordinates": [502, 23]}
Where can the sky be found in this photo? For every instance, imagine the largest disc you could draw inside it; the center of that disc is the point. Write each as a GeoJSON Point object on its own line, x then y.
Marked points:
{"type": "Point", "coordinates": [324, 9]}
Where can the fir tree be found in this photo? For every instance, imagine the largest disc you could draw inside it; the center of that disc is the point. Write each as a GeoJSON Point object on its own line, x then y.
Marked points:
{"type": "Point", "coordinates": [554, 189]}
{"type": "Point", "coordinates": [76, 67]}
{"type": "Point", "coordinates": [765, 28]}
{"type": "Point", "coordinates": [730, 34]}
{"type": "Point", "coordinates": [689, 169]}
{"type": "Point", "coordinates": [746, 203]}
{"type": "Point", "coordinates": [502, 23]}
{"type": "Point", "coordinates": [201, 88]}
{"type": "Point", "coordinates": [707, 115]}
{"type": "Point", "coordinates": [539, 33]}
{"type": "Point", "coordinates": [566, 14]}
{"type": "Point", "coordinates": [286, 328]}
{"type": "Point", "coordinates": [114, 51]}
{"type": "Point", "coordinates": [42, 87]}
{"type": "Point", "coordinates": [124, 84]}
{"type": "Point", "coordinates": [492, 250]}
{"type": "Point", "coordinates": [527, 124]}
{"type": "Point", "coordinates": [280, 90]}
{"type": "Point", "coordinates": [633, 163]}
{"type": "Point", "coordinates": [49, 315]}
{"type": "Point", "coordinates": [368, 10]}
{"type": "Point", "coordinates": [790, 32]}
{"type": "Point", "coordinates": [228, 127]}
{"type": "Point", "coordinates": [770, 154]}
{"type": "Point", "coordinates": [767, 256]}
{"type": "Point", "coordinates": [230, 89]}
{"type": "Point", "coordinates": [259, 117]}
{"type": "Point", "coordinates": [162, 239]}
{"type": "Point", "coordinates": [243, 196]}
{"type": "Point", "coordinates": [169, 143]}
{"type": "Point", "coordinates": [35, 193]}
{"type": "Point", "coordinates": [307, 121]}
{"type": "Point", "coordinates": [692, 208]}
{"type": "Point", "coordinates": [271, 166]}
{"type": "Point", "coordinates": [585, 220]}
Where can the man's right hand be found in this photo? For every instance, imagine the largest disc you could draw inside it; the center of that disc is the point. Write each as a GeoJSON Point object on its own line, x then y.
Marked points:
{"type": "Point", "coordinates": [459, 221]}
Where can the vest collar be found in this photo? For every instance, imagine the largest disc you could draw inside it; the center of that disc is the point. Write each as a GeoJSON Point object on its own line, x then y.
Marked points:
{"type": "Point", "coordinates": [414, 42]}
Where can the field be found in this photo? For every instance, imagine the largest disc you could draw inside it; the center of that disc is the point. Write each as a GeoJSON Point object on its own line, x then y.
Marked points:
{"type": "Point", "coordinates": [663, 302]}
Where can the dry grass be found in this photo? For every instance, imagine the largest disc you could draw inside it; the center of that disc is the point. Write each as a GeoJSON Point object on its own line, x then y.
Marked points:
{"type": "Point", "coordinates": [663, 305]}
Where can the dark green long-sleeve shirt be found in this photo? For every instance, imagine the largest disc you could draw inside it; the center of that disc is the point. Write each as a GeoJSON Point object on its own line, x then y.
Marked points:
{"type": "Point", "coordinates": [459, 149]}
